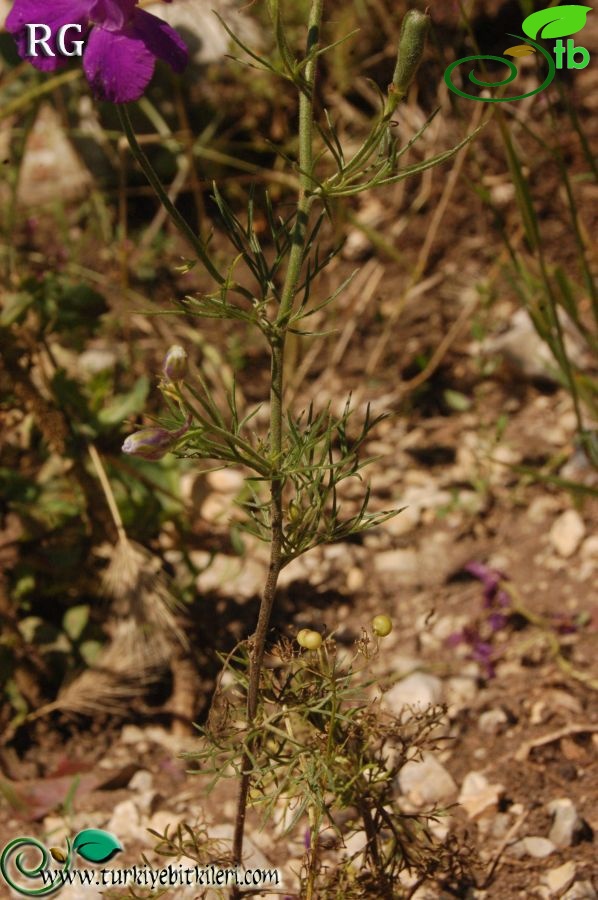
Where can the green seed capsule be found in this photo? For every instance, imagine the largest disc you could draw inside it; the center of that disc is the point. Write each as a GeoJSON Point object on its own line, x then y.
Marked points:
{"type": "Point", "coordinates": [382, 625]}
{"type": "Point", "coordinates": [310, 640]}
{"type": "Point", "coordinates": [301, 636]}
{"type": "Point", "coordinates": [412, 42]}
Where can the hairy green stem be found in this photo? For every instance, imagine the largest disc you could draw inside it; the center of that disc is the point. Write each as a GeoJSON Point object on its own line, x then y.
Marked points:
{"type": "Point", "coordinates": [277, 344]}
{"type": "Point", "coordinates": [180, 222]}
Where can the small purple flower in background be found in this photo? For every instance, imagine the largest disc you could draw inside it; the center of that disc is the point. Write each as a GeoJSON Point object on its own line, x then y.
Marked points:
{"type": "Point", "coordinates": [153, 442]}
{"type": "Point", "coordinates": [123, 42]}
{"type": "Point", "coordinates": [478, 636]}
{"type": "Point", "coordinates": [491, 579]}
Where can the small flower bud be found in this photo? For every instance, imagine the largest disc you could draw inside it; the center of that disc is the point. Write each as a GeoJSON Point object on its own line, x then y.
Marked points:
{"type": "Point", "coordinates": [153, 442]}
{"type": "Point", "coordinates": [175, 363]}
{"type": "Point", "coordinates": [148, 443]}
{"type": "Point", "coordinates": [382, 625]}
{"type": "Point", "coordinates": [412, 42]}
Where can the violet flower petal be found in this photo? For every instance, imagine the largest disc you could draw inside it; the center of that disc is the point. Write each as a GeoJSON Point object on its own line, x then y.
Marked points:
{"type": "Point", "coordinates": [118, 66]}
{"type": "Point", "coordinates": [112, 15]}
{"type": "Point", "coordinates": [160, 39]}
{"type": "Point", "coordinates": [54, 15]}
{"type": "Point", "coordinates": [496, 621]}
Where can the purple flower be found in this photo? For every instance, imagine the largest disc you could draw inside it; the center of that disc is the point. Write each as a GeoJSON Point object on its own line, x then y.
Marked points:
{"type": "Point", "coordinates": [123, 42]}
{"type": "Point", "coordinates": [153, 442]}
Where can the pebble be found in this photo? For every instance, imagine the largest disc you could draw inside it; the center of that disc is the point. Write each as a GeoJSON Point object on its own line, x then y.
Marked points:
{"type": "Point", "coordinates": [418, 690]}
{"type": "Point", "coordinates": [125, 822]}
{"type": "Point", "coordinates": [425, 781]}
{"type": "Point", "coordinates": [477, 794]}
{"type": "Point", "coordinates": [403, 563]}
{"type": "Point", "coordinates": [537, 847]}
{"type": "Point", "coordinates": [94, 361]}
{"type": "Point", "coordinates": [582, 890]}
{"type": "Point", "coordinates": [589, 548]}
{"type": "Point", "coordinates": [216, 509]}
{"type": "Point", "coordinates": [567, 533]}
{"type": "Point", "coordinates": [493, 721]}
{"type": "Point", "coordinates": [226, 481]}
{"type": "Point", "coordinates": [406, 521]}
{"type": "Point", "coordinates": [355, 579]}
{"type": "Point", "coordinates": [541, 508]}
{"type": "Point", "coordinates": [566, 824]}
{"type": "Point", "coordinates": [460, 692]}
{"type": "Point", "coordinates": [560, 879]}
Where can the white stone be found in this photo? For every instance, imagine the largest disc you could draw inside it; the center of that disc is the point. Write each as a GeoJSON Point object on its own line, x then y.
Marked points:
{"type": "Point", "coordinates": [425, 781]}
{"type": "Point", "coordinates": [418, 690]}
{"type": "Point", "coordinates": [538, 847]}
{"type": "Point", "coordinates": [405, 521]}
{"type": "Point", "coordinates": [542, 508]}
{"type": "Point", "coordinates": [355, 579]}
{"type": "Point", "coordinates": [493, 721]}
{"type": "Point", "coordinates": [404, 564]}
{"type": "Point", "coordinates": [354, 847]}
{"type": "Point", "coordinates": [226, 481]}
{"type": "Point", "coordinates": [566, 823]}
{"type": "Point", "coordinates": [125, 822]}
{"type": "Point", "coordinates": [95, 360]}
{"type": "Point", "coordinates": [567, 533]}
{"type": "Point", "coordinates": [460, 692]}
{"type": "Point", "coordinates": [582, 890]}
{"type": "Point", "coordinates": [141, 781]}
{"type": "Point", "coordinates": [477, 794]}
{"type": "Point", "coordinates": [560, 879]}
{"type": "Point", "coordinates": [589, 548]}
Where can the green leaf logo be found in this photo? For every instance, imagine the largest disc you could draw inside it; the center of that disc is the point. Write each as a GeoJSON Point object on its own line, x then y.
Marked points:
{"type": "Point", "coordinates": [96, 845]}
{"type": "Point", "coordinates": [556, 23]}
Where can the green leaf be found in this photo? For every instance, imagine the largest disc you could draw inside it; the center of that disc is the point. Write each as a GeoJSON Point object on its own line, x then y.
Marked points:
{"type": "Point", "coordinates": [90, 651]}
{"type": "Point", "coordinates": [456, 400]}
{"type": "Point", "coordinates": [557, 22]}
{"type": "Point", "coordinates": [124, 405]}
{"type": "Point", "coordinates": [14, 307]}
{"type": "Point", "coordinates": [96, 845]}
{"type": "Point", "coordinates": [74, 621]}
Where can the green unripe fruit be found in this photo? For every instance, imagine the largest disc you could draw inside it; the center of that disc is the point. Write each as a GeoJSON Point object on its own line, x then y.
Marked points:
{"type": "Point", "coordinates": [412, 42]}
{"type": "Point", "coordinates": [309, 639]}
{"type": "Point", "coordinates": [382, 625]}
{"type": "Point", "coordinates": [301, 636]}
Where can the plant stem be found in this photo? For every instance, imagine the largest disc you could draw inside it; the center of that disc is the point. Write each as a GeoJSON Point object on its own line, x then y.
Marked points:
{"type": "Point", "coordinates": [180, 222]}
{"type": "Point", "coordinates": [277, 345]}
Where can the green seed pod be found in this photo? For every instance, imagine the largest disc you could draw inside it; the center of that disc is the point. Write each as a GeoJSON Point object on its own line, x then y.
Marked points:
{"type": "Point", "coordinates": [312, 640]}
{"type": "Point", "coordinates": [301, 636]}
{"type": "Point", "coordinates": [382, 625]}
{"type": "Point", "coordinates": [412, 42]}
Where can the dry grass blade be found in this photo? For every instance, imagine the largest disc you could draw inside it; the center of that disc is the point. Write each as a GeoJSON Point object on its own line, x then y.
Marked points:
{"type": "Point", "coordinates": [135, 581]}
{"type": "Point", "coordinates": [143, 638]}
